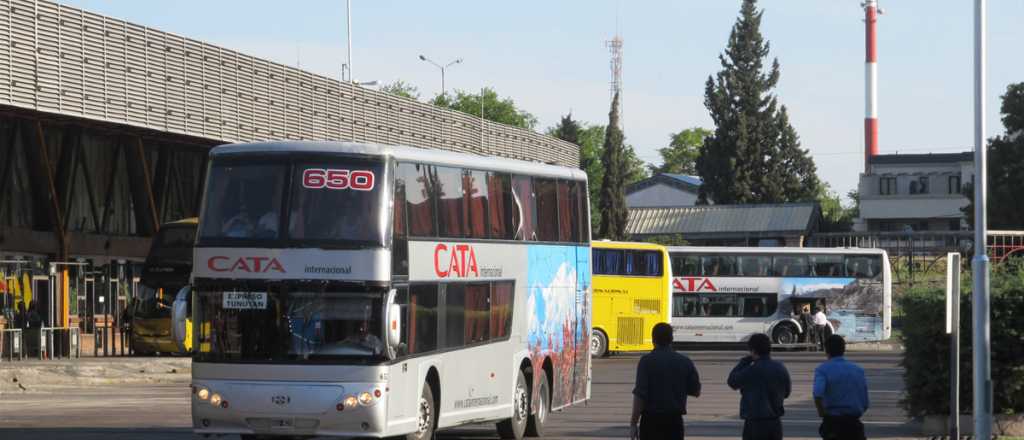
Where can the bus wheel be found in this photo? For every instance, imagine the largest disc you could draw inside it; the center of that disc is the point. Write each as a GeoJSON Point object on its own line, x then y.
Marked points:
{"type": "Point", "coordinates": [426, 417]}
{"type": "Point", "coordinates": [535, 424]}
{"type": "Point", "coordinates": [598, 344]}
{"type": "Point", "coordinates": [784, 334]}
{"type": "Point", "coordinates": [515, 428]}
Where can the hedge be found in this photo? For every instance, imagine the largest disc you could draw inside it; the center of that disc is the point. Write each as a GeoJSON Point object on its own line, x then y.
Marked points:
{"type": "Point", "coordinates": [926, 355]}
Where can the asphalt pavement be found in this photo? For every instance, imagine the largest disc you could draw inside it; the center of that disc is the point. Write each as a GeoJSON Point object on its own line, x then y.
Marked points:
{"type": "Point", "coordinates": [160, 411]}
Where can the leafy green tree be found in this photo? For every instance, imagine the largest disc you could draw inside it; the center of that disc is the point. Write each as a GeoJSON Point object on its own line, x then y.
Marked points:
{"type": "Point", "coordinates": [591, 142]}
{"type": "Point", "coordinates": [613, 196]}
{"type": "Point", "coordinates": [495, 109]}
{"type": "Point", "coordinates": [835, 215]}
{"type": "Point", "coordinates": [680, 157]}
{"type": "Point", "coordinates": [1005, 167]}
{"type": "Point", "coordinates": [401, 88]}
{"type": "Point", "coordinates": [754, 155]}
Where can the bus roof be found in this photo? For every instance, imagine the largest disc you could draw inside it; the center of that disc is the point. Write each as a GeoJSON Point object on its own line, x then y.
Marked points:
{"type": "Point", "coordinates": [401, 153]}
{"type": "Point", "coordinates": [607, 244]}
{"type": "Point", "coordinates": [774, 250]}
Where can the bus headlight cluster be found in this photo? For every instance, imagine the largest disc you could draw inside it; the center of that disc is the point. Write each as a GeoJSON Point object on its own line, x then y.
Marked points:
{"type": "Point", "coordinates": [204, 394]}
{"type": "Point", "coordinates": [365, 398]}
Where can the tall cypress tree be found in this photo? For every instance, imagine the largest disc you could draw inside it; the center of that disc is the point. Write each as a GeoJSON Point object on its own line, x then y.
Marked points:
{"type": "Point", "coordinates": [754, 156]}
{"type": "Point", "coordinates": [613, 197]}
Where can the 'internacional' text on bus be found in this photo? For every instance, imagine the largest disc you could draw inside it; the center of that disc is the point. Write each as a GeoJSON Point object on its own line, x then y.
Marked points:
{"type": "Point", "coordinates": [363, 290]}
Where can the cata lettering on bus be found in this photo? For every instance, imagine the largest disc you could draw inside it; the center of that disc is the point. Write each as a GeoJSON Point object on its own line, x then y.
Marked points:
{"type": "Point", "coordinates": [693, 284]}
{"type": "Point", "coordinates": [457, 260]}
{"type": "Point", "coordinates": [221, 263]}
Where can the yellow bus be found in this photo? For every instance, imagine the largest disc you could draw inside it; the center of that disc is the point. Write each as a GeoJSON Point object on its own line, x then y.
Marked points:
{"type": "Point", "coordinates": [632, 293]}
{"type": "Point", "coordinates": [166, 271]}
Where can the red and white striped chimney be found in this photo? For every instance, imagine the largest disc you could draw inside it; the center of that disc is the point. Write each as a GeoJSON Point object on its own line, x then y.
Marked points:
{"type": "Point", "coordinates": [870, 83]}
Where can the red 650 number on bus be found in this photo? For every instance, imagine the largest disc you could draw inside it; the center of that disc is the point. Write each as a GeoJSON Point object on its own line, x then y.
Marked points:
{"type": "Point", "coordinates": [317, 178]}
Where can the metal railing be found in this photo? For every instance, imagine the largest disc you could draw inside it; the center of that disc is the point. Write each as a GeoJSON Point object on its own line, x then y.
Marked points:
{"type": "Point", "coordinates": [59, 59]}
{"type": "Point", "coordinates": [11, 344]}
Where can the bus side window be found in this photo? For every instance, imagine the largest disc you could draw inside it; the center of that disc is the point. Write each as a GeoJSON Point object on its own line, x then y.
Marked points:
{"type": "Point", "coordinates": [524, 213]}
{"type": "Point", "coordinates": [500, 206]}
{"type": "Point", "coordinates": [685, 266]}
{"type": "Point", "coordinates": [423, 323]}
{"type": "Point", "coordinates": [719, 265]}
{"type": "Point", "coordinates": [547, 209]}
{"type": "Point", "coordinates": [451, 206]}
{"type": "Point", "coordinates": [866, 266]}
{"type": "Point", "coordinates": [419, 198]}
{"type": "Point", "coordinates": [582, 211]}
{"type": "Point", "coordinates": [502, 293]}
{"type": "Point", "coordinates": [826, 265]}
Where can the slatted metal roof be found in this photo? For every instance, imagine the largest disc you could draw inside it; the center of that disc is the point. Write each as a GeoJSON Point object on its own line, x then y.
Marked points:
{"type": "Point", "coordinates": [59, 59]}
{"type": "Point", "coordinates": [725, 221]}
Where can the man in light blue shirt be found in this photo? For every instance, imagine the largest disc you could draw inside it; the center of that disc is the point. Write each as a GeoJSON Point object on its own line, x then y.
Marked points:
{"type": "Point", "coordinates": [840, 394]}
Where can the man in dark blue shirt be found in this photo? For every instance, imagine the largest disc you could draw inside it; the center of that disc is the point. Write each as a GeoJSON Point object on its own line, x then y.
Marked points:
{"type": "Point", "coordinates": [840, 394]}
{"type": "Point", "coordinates": [764, 384]}
{"type": "Point", "coordinates": [663, 380]}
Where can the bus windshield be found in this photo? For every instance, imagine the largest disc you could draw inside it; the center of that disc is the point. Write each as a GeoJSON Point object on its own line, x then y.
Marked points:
{"type": "Point", "coordinates": [154, 302]}
{"type": "Point", "coordinates": [330, 200]}
{"type": "Point", "coordinates": [284, 325]}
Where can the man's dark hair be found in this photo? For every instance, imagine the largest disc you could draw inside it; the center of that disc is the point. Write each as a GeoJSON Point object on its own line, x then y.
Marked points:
{"type": "Point", "coordinates": [835, 345]}
{"type": "Point", "coordinates": [760, 344]}
{"type": "Point", "coordinates": [662, 334]}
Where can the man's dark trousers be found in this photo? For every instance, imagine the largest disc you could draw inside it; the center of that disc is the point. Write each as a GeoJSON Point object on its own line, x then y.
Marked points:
{"type": "Point", "coordinates": [841, 428]}
{"type": "Point", "coordinates": [661, 427]}
{"type": "Point", "coordinates": [762, 429]}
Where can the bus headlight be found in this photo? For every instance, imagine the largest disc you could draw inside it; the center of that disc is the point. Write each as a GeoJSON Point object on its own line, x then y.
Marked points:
{"type": "Point", "coordinates": [215, 399]}
{"type": "Point", "coordinates": [203, 394]}
{"type": "Point", "coordinates": [351, 402]}
{"type": "Point", "coordinates": [365, 398]}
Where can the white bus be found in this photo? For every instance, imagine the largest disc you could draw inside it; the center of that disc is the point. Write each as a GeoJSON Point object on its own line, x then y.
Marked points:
{"type": "Point", "coordinates": [359, 290]}
{"type": "Point", "coordinates": [726, 294]}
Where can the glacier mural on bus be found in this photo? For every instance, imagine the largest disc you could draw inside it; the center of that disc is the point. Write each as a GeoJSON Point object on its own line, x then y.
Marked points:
{"type": "Point", "coordinates": [853, 306]}
{"type": "Point", "coordinates": [560, 316]}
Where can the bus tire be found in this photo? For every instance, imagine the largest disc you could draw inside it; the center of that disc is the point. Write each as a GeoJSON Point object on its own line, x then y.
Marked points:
{"type": "Point", "coordinates": [598, 344]}
{"type": "Point", "coordinates": [539, 416]}
{"type": "Point", "coordinates": [784, 333]}
{"type": "Point", "coordinates": [426, 416]}
{"type": "Point", "coordinates": [515, 427]}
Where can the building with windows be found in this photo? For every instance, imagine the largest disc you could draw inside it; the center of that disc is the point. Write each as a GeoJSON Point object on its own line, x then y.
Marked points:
{"type": "Point", "coordinates": [914, 192]}
{"type": "Point", "coordinates": [662, 190]}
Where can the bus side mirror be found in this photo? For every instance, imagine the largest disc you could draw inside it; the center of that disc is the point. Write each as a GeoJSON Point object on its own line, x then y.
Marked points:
{"type": "Point", "coordinates": [394, 325]}
{"type": "Point", "coordinates": [179, 320]}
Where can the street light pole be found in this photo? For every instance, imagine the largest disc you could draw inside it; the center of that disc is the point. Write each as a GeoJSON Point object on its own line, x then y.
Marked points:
{"type": "Point", "coordinates": [348, 17]}
{"type": "Point", "coordinates": [980, 264]}
{"type": "Point", "coordinates": [443, 90]}
{"type": "Point", "coordinates": [441, 68]}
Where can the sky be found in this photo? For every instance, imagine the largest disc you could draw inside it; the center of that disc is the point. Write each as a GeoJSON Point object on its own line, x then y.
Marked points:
{"type": "Point", "coordinates": [550, 58]}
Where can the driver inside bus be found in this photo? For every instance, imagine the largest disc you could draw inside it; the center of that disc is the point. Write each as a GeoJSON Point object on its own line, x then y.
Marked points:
{"type": "Point", "coordinates": [363, 338]}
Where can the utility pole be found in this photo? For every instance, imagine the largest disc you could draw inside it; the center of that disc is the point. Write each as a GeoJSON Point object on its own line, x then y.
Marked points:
{"type": "Point", "coordinates": [980, 265]}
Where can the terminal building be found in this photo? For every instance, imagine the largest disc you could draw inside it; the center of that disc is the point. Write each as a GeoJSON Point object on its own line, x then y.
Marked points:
{"type": "Point", "coordinates": [105, 127]}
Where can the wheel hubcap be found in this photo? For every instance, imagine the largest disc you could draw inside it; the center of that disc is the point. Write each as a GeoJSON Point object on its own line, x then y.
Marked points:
{"type": "Point", "coordinates": [424, 423]}
{"type": "Point", "coordinates": [595, 343]}
{"type": "Point", "coordinates": [521, 403]}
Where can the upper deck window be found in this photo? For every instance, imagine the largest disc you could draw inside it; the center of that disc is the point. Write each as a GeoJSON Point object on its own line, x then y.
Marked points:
{"type": "Point", "coordinates": [335, 201]}
{"type": "Point", "coordinates": [244, 201]}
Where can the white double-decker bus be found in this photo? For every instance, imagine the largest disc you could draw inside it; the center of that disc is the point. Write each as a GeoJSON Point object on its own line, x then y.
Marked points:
{"type": "Point", "coordinates": [361, 290]}
{"type": "Point", "coordinates": [726, 294]}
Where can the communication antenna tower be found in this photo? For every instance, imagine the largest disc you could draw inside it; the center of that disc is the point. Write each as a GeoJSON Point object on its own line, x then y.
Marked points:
{"type": "Point", "coordinates": [615, 47]}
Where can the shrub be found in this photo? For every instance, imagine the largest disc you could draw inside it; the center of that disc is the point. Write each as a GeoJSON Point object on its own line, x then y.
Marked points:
{"type": "Point", "coordinates": [926, 357]}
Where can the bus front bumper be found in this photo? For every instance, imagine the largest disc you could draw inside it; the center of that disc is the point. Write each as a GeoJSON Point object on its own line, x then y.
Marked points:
{"type": "Point", "coordinates": [289, 409]}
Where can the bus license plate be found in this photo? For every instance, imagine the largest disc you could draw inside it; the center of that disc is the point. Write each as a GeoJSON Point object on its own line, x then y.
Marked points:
{"type": "Point", "coordinates": [281, 424]}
